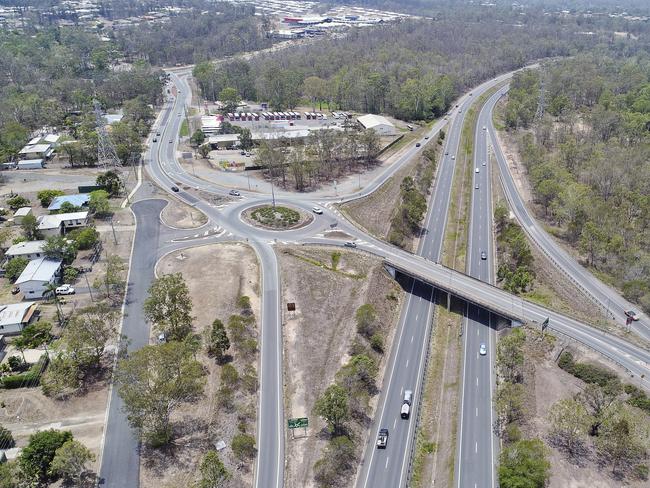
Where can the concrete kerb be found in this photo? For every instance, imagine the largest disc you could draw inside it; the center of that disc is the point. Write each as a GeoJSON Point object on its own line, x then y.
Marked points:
{"type": "Point", "coordinates": [162, 220]}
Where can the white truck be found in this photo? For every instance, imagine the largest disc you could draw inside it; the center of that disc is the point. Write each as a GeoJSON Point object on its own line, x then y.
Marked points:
{"type": "Point", "coordinates": [406, 404]}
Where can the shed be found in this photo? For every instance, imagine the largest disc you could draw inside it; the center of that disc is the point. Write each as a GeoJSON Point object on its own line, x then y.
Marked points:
{"type": "Point", "coordinates": [381, 125]}
{"type": "Point", "coordinates": [31, 164]}
{"type": "Point", "coordinates": [36, 151]}
{"type": "Point", "coordinates": [16, 316]}
{"type": "Point", "coordinates": [37, 275]}
{"type": "Point", "coordinates": [21, 213]}
{"type": "Point", "coordinates": [223, 140]}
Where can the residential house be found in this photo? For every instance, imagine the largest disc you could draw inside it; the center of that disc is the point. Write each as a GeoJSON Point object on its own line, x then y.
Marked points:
{"type": "Point", "coordinates": [28, 249]}
{"type": "Point", "coordinates": [16, 316]}
{"type": "Point", "coordinates": [37, 275]}
{"type": "Point", "coordinates": [36, 151]}
{"type": "Point", "coordinates": [21, 213]}
{"type": "Point", "coordinates": [55, 225]}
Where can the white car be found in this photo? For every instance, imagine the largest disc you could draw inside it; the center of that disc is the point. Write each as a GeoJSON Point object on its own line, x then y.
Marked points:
{"type": "Point", "coordinates": [482, 350]}
{"type": "Point", "coordinates": [476, 170]}
{"type": "Point", "coordinates": [65, 290]}
{"type": "Point", "coordinates": [317, 210]}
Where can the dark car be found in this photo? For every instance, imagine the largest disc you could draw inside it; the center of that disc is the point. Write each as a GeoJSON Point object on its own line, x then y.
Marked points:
{"type": "Point", "coordinates": [417, 144]}
{"type": "Point", "coordinates": [15, 290]}
{"type": "Point", "coordinates": [175, 189]}
{"type": "Point", "coordinates": [382, 439]}
{"type": "Point", "coordinates": [632, 314]}
{"type": "Point", "coordinates": [234, 193]}
{"type": "Point", "coordinates": [155, 139]}
{"type": "Point", "coordinates": [350, 244]}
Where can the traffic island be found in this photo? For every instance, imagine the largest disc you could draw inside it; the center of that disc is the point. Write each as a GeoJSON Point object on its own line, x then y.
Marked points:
{"type": "Point", "coordinates": [276, 217]}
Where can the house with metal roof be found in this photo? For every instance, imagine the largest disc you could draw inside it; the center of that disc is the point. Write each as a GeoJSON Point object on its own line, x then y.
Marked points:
{"type": "Point", "coordinates": [36, 151]}
{"type": "Point", "coordinates": [78, 200]}
{"type": "Point", "coordinates": [28, 249]}
{"type": "Point", "coordinates": [57, 224]}
{"type": "Point", "coordinates": [21, 213]}
{"type": "Point", "coordinates": [37, 275]}
{"type": "Point", "coordinates": [16, 316]}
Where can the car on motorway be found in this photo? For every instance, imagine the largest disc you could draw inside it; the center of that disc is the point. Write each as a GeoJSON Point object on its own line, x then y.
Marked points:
{"type": "Point", "coordinates": [632, 314]}
{"type": "Point", "coordinates": [426, 137]}
{"type": "Point", "coordinates": [446, 153]}
{"type": "Point", "coordinates": [175, 189]}
{"type": "Point", "coordinates": [483, 255]}
{"type": "Point", "coordinates": [484, 128]}
{"type": "Point", "coordinates": [476, 186]}
{"type": "Point", "coordinates": [243, 153]}
{"type": "Point", "coordinates": [317, 210]}
{"type": "Point", "coordinates": [350, 244]}
{"type": "Point", "coordinates": [417, 144]}
{"type": "Point", "coordinates": [157, 133]}
{"type": "Point", "coordinates": [155, 139]}
{"type": "Point", "coordinates": [482, 349]}
{"type": "Point", "coordinates": [171, 140]}
{"type": "Point", "coordinates": [453, 157]}
{"type": "Point", "coordinates": [234, 193]}
{"type": "Point", "coordinates": [484, 163]}
{"type": "Point", "coordinates": [64, 290]}
{"type": "Point", "coordinates": [476, 170]}
{"type": "Point", "coordinates": [405, 411]}
{"type": "Point", "coordinates": [382, 439]}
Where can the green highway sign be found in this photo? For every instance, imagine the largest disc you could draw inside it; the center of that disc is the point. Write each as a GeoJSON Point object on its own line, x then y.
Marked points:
{"type": "Point", "coordinates": [298, 423]}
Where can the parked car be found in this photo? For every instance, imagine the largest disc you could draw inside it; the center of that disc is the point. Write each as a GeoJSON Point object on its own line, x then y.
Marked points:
{"type": "Point", "coordinates": [350, 244]}
{"type": "Point", "coordinates": [482, 350]}
{"type": "Point", "coordinates": [234, 193]}
{"type": "Point", "coordinates": [64, 290]}
{"type": "Point", "coordinates": [15, 290]}
{"type": "Point", "coordinates": [632, 314]}
{"type": "Point", "coordinates": [317, 210]}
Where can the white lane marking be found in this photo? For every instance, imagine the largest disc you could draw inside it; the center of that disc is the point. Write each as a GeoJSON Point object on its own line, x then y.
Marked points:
{"type": "Point", "coordinates": [412, 337]}
{"type": "Point", "coordinates": [477, 411]}
{"type": "Point", "coordinates": [407, 363]}
{"type": "Point", "coordinates": [387, 459]}
{"type": "Point", "coordinates": [476, 447]}
{"type": "Point", "coordinates": [395, 423]}
{"type": "Point", "coordinates": [416, 316]}
{"type": "Point", "coordinates": [477, 381]}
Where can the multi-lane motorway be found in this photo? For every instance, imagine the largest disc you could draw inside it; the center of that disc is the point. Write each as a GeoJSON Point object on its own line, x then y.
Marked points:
{"type": "Point", "coordinates": [405, 368]}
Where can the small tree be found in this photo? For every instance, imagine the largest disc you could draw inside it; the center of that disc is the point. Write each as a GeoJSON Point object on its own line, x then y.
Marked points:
{"type": "Point", "coordinates": [153, 382]}
{"type": "Point", "coordinates": [110, 181]}
{"type": "Point", "coordinates": [46, 196]}
{"type": "Point", "coordinates": [243, 447]}
{"type": "Point", "coordinates": [70, 461]}
{"type": "Point", "coordinates": [569, 423]}
{"type": "Point", "coordinates": [98, 203]}
{"type": "Point", "coordinates": [524, 465]}
{"type": "Point", "coordinates": [85, 238]}
{"type": "Point", "coordinates": [230, 99]}
{"type": "Point", "coordinates": [113, 276]}
{"type": "Point", "coordinates": [213, 472]}
{"type": "Point", "coordinates": [197, 138]}
{"type": "Point", "coordinates": [62, 377]}
{"type": "Point", "coordinates": [333, 407]}
{"type": "Point", "coordinates": [60, 248]}
{"type": "Point", "coordinates": [17, 201]}
{"type": "Point", "coordinates": [68, 207]}
{"type": "Point", "coordinates": [217, 341]}
{"type": "Point", "coordinates": [204, 150]}
{"type": "Point", "coordinates": [30, 227]}
{"type": "Point", "coordinates": [366, 317]}
{"type": "Point", "coordinates": [246, 139]}
{"type": "Point", "coordinates": [88, 333]}
{"type": "Point", "coordinates": [169, 306]}
{"type": "Point", "coordinates": [37, 333]}
{"type": "Point", "coordinates": [36, 458]}
{"type": "Point", "coordinates": [623, 441]}
{"type": "Point", "coordinates": [15, 267]}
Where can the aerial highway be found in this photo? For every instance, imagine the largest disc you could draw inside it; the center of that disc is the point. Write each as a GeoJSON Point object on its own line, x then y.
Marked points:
{"type": "Point", "coordinates": [405, 367]}
{"type": "Point", "coordinates": [477, 445]}
{"type": "Point", "coordinates": [611, 302]}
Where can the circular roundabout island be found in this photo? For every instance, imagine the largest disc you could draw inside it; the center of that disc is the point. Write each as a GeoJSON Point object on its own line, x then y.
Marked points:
{"type": "Point", "coordinates": [278, 217]}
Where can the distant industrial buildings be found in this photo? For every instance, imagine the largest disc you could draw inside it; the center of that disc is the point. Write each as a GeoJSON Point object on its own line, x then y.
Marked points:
{"type": "Point", "coordinates": [381, 125]}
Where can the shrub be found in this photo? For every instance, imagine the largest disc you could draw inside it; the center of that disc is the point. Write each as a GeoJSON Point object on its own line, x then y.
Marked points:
{"type": "Point", "coordinates": [14, 381]}
{"type": "Point", "coordinates": [243, 446]}
{"type": "Point", "coordinates": [377, 342]}
{"type": "Point", "coordinates": [6, 438]}
{"type": "Point", "coordinates": [70, 275]}
{"type": "Point", "coordinates": [589, 373]}
{"type": "Point", "coordinates": [37, 456]}
{"type": "Point", "coordinates": [85, 238]}
{"type": "Point", "coordinates": [17, 202]}
{"type": "Point", "coordinates": [229, 375]}
{"type": "Point", "coordinates": [641, 472]}
{"type": "Point", "coordinates": [46, 196]}
{"type": "Point", "coordinates": [15, 267]}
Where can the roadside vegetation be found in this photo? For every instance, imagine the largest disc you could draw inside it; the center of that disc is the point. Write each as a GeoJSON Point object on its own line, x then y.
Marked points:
{"type": "Point", "coordinates": [515, 258]}
{"type": "Point", "coordinates": [586, 159]}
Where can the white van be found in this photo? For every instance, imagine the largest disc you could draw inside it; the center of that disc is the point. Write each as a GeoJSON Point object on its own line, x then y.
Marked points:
{"type": "Point", "coordinates": [406, 404]}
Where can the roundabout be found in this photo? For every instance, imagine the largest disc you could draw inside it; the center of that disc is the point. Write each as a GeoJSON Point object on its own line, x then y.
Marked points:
{"type": "Point", "coordinates": [276, 217]}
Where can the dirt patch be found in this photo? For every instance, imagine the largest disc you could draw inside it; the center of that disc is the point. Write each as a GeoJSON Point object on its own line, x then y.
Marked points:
{"type": "Point", "coordinates": [182, 216]}
{"type": "Point", "coordinates": [319, 335]}
{"type": "Point", "coordinates": [26, 410]}
{"type": "Point", "coordinates": [200, 425]}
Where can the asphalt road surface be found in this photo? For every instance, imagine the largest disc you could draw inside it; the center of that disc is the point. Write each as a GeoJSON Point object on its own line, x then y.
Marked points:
{"type": "Point", "coordinates": [120, 462]}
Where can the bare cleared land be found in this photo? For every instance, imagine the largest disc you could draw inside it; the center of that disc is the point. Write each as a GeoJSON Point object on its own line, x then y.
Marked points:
{"type": "Point", "coordinates": [178, 214]}
{"type": "Point", "coordinates": [319, 337]}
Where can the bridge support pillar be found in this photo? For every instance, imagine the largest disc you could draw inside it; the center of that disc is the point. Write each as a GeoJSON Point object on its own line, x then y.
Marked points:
{"type": "Point", "coordinates": [390, 270]}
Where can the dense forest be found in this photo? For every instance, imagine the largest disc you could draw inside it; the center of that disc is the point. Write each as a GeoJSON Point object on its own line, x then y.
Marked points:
{"type": "Point", "coordinates": [220, 30]}
{"type": "Point", "coordinates": [51, 79]}
{"type": "Point", "coordinates": [587, 159]}
{"type": "Point", "coordinates": [411, 70]}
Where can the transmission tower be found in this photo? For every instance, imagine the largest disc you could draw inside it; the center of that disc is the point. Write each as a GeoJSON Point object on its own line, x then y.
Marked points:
{"type": "Point", "coordinates": [106, 153]}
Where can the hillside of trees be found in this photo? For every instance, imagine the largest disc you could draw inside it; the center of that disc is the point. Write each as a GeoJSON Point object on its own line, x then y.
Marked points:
{"type": "Point", "coordinates": [587, 161]}
{"type": "Point", "coordinates": [411, 70]}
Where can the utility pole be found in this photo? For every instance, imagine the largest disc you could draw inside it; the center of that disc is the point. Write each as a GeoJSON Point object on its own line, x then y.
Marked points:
{"type": "Point", "coordinates": [113, 228]}
{"type": "Point", "coordinates": [92, 299]}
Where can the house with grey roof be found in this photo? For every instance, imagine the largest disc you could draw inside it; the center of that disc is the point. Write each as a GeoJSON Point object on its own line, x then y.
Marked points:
{"type": "Point", "coordinates": [28, 249]}
{"type": "Point", "coordinates": [16, 316]}
{"type": "Point", "coordinates": [55, 225]}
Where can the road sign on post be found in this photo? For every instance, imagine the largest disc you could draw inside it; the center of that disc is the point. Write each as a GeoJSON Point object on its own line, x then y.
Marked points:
{"type": "Point", "coordinates": [545, 324]}
{"type": "Point", "coordinates": [298, 423]}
